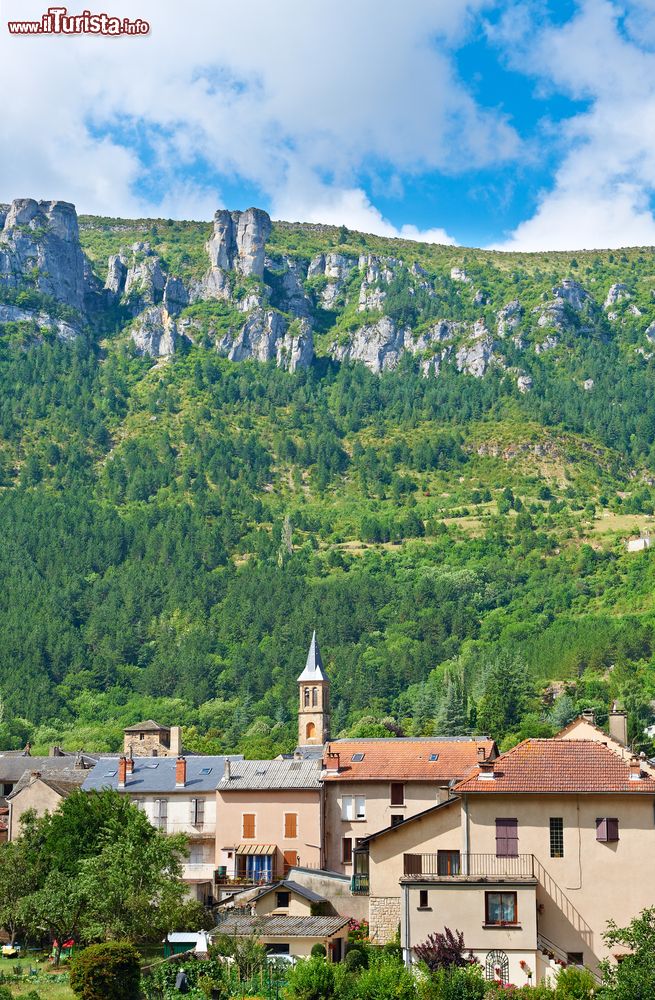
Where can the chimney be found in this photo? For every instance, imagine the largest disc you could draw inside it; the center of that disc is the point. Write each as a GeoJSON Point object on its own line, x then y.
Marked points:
{"type": "Point", "coordinates": [129, 764]}
{"type": "Point", "coordinates": [486, 770]}
{"type": "Point", "coordinates": [482, 754]}
{"type": "Point", "coordinates": [589, 715]}
{"type": "Point", "coordinates": [227, 769]}
{"type": "Point", "coordinates": [331, 762]}
{"type": "Point", "coordinates": [635, 769]}
{"type": "Point", "coordinates": [175, 741]}
{"type": "Point", "coordinates": [122, 772]}
{"type": "Point", "coordinates": [619, 725]}
{"type": "Point", "coordinates": [180, 772]}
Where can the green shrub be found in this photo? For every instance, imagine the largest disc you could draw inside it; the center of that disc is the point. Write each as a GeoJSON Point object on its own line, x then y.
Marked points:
{"type": "Point", "coordinates": [5, 993]}
{"type": "Point", "coordinates": [387, 979]}
{"type": "Point", "coordinates": [106, 972]}
{"type": "Point", "coordinates": [355, 960]}
{"type": "Point", "coordinates": [455, 983]}
{"type": "Point", "coordinates": [318, 950]}
{"type": "Point", "coordinates": [574, 983]}
{"type": "Point", "coordinates": [311, 979]}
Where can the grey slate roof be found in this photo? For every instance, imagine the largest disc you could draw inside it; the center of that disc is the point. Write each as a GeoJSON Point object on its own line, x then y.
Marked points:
{"type": "Point", "coordinates": [64, 780]}
{"type": "Point", "coordinates": [279, 926]}
{"type": "Point", "coordinates": [272, 774]}
{"type": "Point", "coordinates": [314, 667]}
{"type": "Point", "coordinates": [291, 886]}
{"type": "Point", "coordinates": [149, 726]}
{"type": "Point", "coordinates": [12, 767]}
{"type": "Point", "coordinates": [157, 774]}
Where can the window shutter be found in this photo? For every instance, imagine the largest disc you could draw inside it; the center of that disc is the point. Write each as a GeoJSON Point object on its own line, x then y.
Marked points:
{"type": "Point", "coordinates": [412, 864]}
{"type": "Point", "coordinates": [200, 811]}
{"type": "Point", "coordinates": [360, 807]}
{"type": "Point", "coordinates": [507, 838]}
{"type": "Point", "coordinates": [163, 814]}
{"type": "Point", "coordinates": [601, 829]}
{"type": "Point", "coordinates": [346, 850]}
{"type": "Point", "coordinates": [612, 829]}
{"type": "Point", "coordinates": [248, 825]}
{"type": "Point", "coordinates": [397, 793]}
{"type": "Point", "coordinates": [290, 825]}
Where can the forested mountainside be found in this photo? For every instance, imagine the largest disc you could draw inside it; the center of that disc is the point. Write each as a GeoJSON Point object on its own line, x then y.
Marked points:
{"type": "Point", "coordinates": [215, 438]}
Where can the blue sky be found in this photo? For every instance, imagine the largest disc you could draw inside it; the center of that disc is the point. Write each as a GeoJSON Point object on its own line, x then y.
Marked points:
{"type": "Point", "coordinates": [525, 125]}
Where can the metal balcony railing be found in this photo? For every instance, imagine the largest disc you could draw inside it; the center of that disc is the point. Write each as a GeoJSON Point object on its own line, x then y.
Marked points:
{"type": "Point", "coordinates": [449, 864]}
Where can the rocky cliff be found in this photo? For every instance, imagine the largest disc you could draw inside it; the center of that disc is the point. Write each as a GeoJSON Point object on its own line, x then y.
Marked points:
{"type": "Point", "coordinates": [252, 294]}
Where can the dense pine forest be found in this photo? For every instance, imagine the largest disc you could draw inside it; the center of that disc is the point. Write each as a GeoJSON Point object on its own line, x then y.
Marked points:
{"type": "Point", "coordinates": [173, 529]}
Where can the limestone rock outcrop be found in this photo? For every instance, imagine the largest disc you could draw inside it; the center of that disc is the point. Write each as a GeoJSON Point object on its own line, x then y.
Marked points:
{"type": "Point", "coordinates": [40, 247]}
{"type": "Point", "coordinates": [155, 332]}
{"type": "Point", "coordinates": [41, 321]}
{"type": "Point", "coordinates": [265, 336]}
{"type": "Point", "coordinates": [337, 268]}
{"type": "Point", "coordinates": [616, 293]}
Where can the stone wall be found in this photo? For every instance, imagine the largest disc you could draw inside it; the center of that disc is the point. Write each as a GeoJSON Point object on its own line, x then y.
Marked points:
{"type": "Point", "coordinates": [384, 918]}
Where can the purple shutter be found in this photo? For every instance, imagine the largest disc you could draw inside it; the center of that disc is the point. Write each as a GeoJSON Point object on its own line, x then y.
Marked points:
{"type": "Point", "coordinates": [507, 838]}
{"type": "Point", "coordinates": [612, 829]}
{"type": "Point", "coordinates": [601, 829]}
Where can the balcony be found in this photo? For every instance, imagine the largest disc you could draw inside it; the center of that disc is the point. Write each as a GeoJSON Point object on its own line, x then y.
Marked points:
{"type": "Point", "coordinates": [194, 831]}
{"type": "Point", "coordinates": [359, 884]}
{"type": "Point", "coordinates": [201, 872]}
{"type": "Point", "coordinates": [449, 864]}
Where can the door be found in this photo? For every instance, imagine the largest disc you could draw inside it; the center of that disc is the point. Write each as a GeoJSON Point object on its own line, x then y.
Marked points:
{"type": "Point", "coordinates": [290, 861]}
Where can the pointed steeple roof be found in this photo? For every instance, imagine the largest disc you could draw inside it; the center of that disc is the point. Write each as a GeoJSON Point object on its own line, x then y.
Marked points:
{"type": "Point", "coordinates": [314, 667]}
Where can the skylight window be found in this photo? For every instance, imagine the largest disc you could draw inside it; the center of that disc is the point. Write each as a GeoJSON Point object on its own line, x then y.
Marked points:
{"type": "Point", "coordinates": [152, 765]}
{"type": "Point", "coordinates": [110, 774]}
{"type": "Point", "coordinates": [206, 770]}
{"type": "Point", "coordinates": [357, 758]}
{"type": "Point", "coordinates": [434, 756]}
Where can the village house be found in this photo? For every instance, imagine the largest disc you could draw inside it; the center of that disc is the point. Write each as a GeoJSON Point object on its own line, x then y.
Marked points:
{"type": "Point", "coordinates": [539, 849]}
{"type": "Point", "coordinates": [289, 920]}
{"type": "Point", "coordinates": [270, 817]}
{"type": "Point", "coordinates": [178, 795]}
{"type": "Point", "coordinates": [374, 783]}
{"type": "Point", "coordinates": [149, 739]}
{"type": "Point", "coordinates": [43, 791]}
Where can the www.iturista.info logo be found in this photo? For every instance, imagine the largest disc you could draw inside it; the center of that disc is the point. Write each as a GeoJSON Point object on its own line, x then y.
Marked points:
{"type": "Point", "coordinates": [57, 21]}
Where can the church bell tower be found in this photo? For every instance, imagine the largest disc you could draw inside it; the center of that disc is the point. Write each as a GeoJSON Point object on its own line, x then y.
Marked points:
{"type": "Point", "coordinates": [314, 706]}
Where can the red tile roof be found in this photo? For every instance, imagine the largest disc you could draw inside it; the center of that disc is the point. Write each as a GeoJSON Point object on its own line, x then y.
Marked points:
{"type": "Point", "coordinates": [550, 766]}
{"type": "Point", "coordinates": [406, 759]}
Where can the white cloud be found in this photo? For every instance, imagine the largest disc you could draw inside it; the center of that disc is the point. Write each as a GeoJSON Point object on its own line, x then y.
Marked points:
{"type": "Point", "coordinates": [603, 190]}
{"type": "Point", "coordinates": [289, 98]}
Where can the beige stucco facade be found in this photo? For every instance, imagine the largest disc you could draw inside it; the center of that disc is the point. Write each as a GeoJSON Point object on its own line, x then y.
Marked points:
{"type": "Point", "coordinates": [594, 881]}
{"type": "Point", "coordinates": [378, 812]}
{"type": "Point", "coordinates": [438, 829]}
{"type": "Point", "coordinates": [269, 808]}
{"type": "Point", "coordinates": [461, 905]}
{"type": "Point", "coordinates": [36, 796]}
{"type": "Point", "coordinates": [564, 903]}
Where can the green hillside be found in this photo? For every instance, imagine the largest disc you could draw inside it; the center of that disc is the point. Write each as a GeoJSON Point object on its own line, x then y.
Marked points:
{"type": "Point", "coordinates": [174, 529]}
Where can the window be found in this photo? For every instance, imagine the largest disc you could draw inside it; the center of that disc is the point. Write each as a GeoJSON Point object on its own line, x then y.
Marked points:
{"type": "Point", "coordinates": [142, 736]}
{"type": "Point", "coordinates": [607, 830]}
{"type": "Point", "coordinates": [448, 863]}
{"type": "Point", "coordinates": [282, 900]}
{"type": "Point", "coordinates": [248, 826]}
{"type": "Point", "coordinates": [346, 850]}
{"type": "Point", "coordinates": [290, 825]}
{"type": "Point", "coordinates": [314, 697]}
{"type": "Point", "coordinates": [556, 837]}
{"type": "Point", "coordinates": [396, 820]}
{"type": "Point", "coordinates": [306, 697]}
{"type": "Point", "coordinates": [500, 908]}
{"type": "Point", "coordinates": [574, 958]}
{"type": "Point", "coordinates": [161, 813]}
{"type": "Point", "coordinates": [423, 899]}
{"type": "Point", "coordinates": [433, 757]}
{"type": "Point", "coordinates": [357, 758]}
{"type": "Point", "coordinates": [278, 949]}
{"type": "Point", "coordinates": [310, 731]}
{"type": "Point", "coordinates": [397, 793]}
{"type": "Point", "coordinates": [197, 812]}
{"type": "Point", "coordinates": [507, 838]}
{"type": "Point", "coordinates": [353, 807]}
